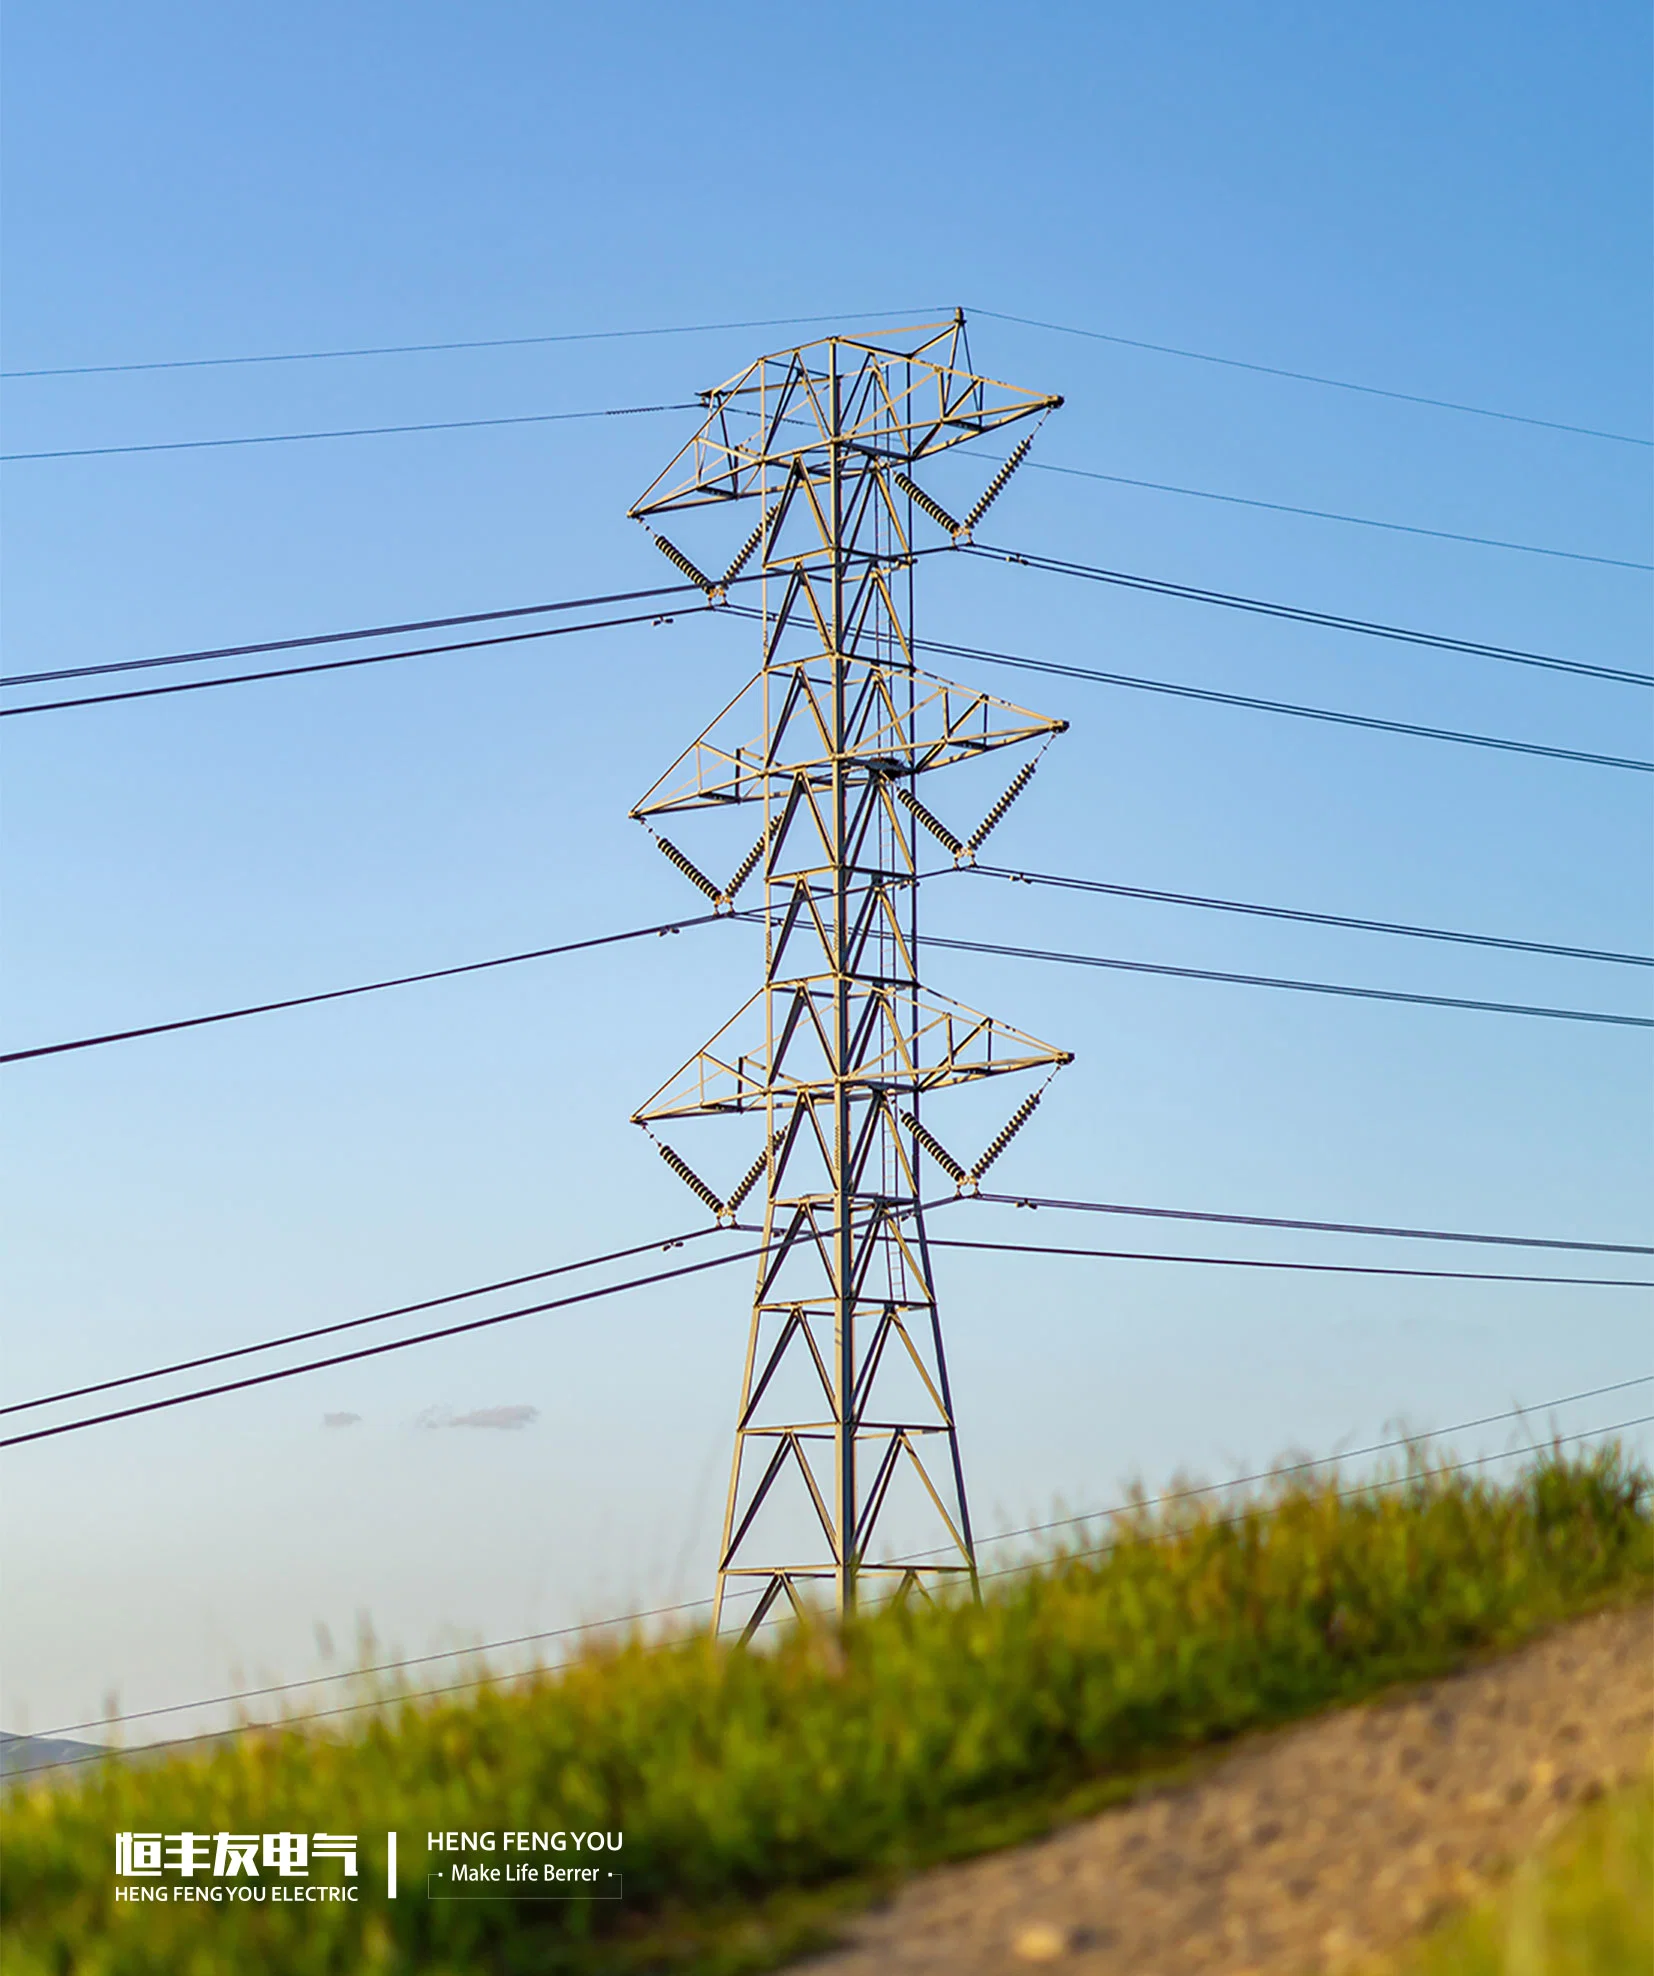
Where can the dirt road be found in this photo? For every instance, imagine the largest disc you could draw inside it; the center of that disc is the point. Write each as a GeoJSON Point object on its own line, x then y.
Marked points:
{"type": "Point", "coordinates": [1306, 1850]}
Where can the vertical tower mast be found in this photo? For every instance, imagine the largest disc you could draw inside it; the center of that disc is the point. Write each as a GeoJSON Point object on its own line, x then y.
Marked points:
{"type": "Point", "coordinates": [845, 1408]}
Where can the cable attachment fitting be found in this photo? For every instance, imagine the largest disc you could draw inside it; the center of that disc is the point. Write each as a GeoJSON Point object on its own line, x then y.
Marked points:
{"type": "Point", "coordinates": [754, 1173]}
{"type": "Point", "coordinates": [938, 1152]}
{"type": "Point", "coordinates": [939, 830]}
{"type": "Point", "coordinates": [921, 499]}
{"type": "Point", "coordinates": [1023, 777]}
{"type": "Point", "coordinates": [675, 555]}
{"type": "Point", "coordinates": [996, 486]}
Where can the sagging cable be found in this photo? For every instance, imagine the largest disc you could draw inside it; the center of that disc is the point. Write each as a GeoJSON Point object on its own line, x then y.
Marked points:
{"type": "Point", "coordinates": [996, 486]}
{"type": "Point", "coordinates": [676, 556]}
{"type": "Point", "coordinates": [1023, 777]}
{"type": "Point", "coordinates": [938, 1152]}
{"type": "Point", "coordinates": [921, 499]}
{"type": "Point", "coordinates": [939, 830]}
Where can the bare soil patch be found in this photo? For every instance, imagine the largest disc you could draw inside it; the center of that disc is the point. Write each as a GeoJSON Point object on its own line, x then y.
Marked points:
{"type": "Point", "coordinates": [1311, 1849]}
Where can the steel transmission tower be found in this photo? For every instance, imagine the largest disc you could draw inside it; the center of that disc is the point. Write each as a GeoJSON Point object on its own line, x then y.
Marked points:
{"type": "Point", "coordinates": [845, 1408]}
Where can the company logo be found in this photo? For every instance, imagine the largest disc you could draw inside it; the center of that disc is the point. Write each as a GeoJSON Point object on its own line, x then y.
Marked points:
{"type": "Point", "coordinates": [227, 1867]}
{"type": "Point", "coordinates": [246, 1866]}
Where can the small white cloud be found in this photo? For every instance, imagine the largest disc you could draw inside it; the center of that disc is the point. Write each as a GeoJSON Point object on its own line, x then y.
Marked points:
{"type": "Point", "coordinates": [508, 1418]}
{"type": "Point", "coordinates": [340, 1419]}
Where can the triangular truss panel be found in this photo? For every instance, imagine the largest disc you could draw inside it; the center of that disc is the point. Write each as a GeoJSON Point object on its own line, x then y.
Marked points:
{"type": "Point", "coordinates": [846, 1444]}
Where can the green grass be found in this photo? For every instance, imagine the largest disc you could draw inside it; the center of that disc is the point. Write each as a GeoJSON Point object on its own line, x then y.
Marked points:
{"type": "Point", "coordinates": [1583, 1906]}
{"type": "Point", "coordinates": [762, 1792]}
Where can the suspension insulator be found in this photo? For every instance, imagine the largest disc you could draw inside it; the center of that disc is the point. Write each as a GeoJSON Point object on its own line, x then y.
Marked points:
{"type": "Point", "coordinates": [921, 499]}
{"type": "Point", "coordinates": [995, 487]}
{"type": "Point", "coordinates": [1024, 776]}
{"type": "Point", "coordinates": [690, 1178]}
{"type": "Point", "coordinates": [754, 1173]}
{"type": "Point", "coordinates": [749, 864]}
{"type": "Point", "coordinates": [1018, 1119]}
{"type": "Point", "coordinates": [674, 554]}
{"type": "Point", "coordinates": [691, 872]}
{"type": "Point", "coordinates": [938, 1152]}
{"type": "Point", "coordinates": [744, 552]}
{"type": "Point", "coordinates": [943, 835]}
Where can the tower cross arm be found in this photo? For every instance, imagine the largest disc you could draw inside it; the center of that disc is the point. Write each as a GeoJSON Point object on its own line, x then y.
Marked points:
{"type": "Point", "coordinates": [895, 404]}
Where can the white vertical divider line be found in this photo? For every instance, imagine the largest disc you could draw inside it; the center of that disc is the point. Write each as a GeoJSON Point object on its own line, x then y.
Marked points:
{"type": "Point", "coordinates": [390, 1866]}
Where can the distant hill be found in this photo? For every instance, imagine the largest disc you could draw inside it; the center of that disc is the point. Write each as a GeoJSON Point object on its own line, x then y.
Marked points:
{"type": "Point", "coordinates": [24, 1753]}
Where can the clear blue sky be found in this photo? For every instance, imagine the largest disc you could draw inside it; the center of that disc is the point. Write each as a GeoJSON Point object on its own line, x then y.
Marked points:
{"type": "Point", "coordinates": [1449, 202]}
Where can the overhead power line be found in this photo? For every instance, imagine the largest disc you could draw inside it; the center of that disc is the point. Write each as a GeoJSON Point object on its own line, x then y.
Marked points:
{"type": "Point", "coordinates": [1318, 1227]}
{"type": "Point", "coordinates": [696, 1605]}
{"type": "Point", "coordinates": [631, 411]}
{"type": "Point", "coordinates": [1312, 377]}
{"type": "Point", "coordinates": [1311, 1268]}
{"type": "Point", "coordinates": [474, 343]}
{"type": "Point", "coordinates": [1208, 694]}
{"type": "Point", "coordinates": [346, 665]}
{"type": "Point", "coordinates": [624, 411]}
{"type": "Point", "coordinates": [378, 1351]}
{"type": "Point", "coordinates": [342, 432]}
{"type": "Point", "coordinates": [357, 1674]}
{"type": "Point", "coordinates": [1349, 521]}
{"type": "Point", "coordinates": [355, 1323]}
{"type": "Point", "coordinates": [1305, 987]}
{"type": "Point", "coordinates": [618, 1289]}
{"type": "Point", "coordinates": [1301, 614]}
{"type": "Point", "coordinates": [1020, 1201]}
{"type": "Point", "coordinates": [664, 927]}
{"type": "Point", "coordinates": [1001, 1571]}
{"type": "Point", "coordinates": [475, 1681]}
{"type": "Point", "coordinates": [345, 637]}
{"type": "Point", "coordinates": [210, 653]}
{"type": "Point", "coordinates": [1020, 1248]}
{"type": "Point", "coordinates": [341, 994]}
{"type": "Point", "coordinates": [394, 630]}
{"type": "Point", "coordinates": [1283, 1469]}
{"type": "Point", "coordinates": [1092, 674]}
{"type": "Point", "coordinates": [1365, 1488]}
{"type": "Point", "coordinates": [1306, 918]}
{"type": "Point", "coordinates": [407, 1344]}
{"type": "Point", "coordinates": [775, 322]}
{"type": "Point", "coordinates": [1296, 710]}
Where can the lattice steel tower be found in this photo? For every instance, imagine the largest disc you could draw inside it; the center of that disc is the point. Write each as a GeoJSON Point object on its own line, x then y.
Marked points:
{"type": "Point", "coordinates": [845, 1406]}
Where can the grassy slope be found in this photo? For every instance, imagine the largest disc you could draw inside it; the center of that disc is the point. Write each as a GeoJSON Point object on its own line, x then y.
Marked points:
{"type": "Point", "coordinates": [758, 1792]}
{"type": "Point", "coordinates": [1584, 1906]}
